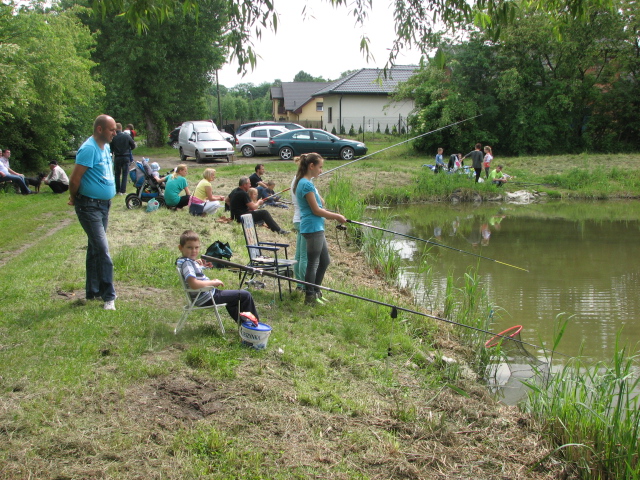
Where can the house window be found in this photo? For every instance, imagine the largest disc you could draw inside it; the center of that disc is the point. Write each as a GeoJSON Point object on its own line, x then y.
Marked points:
{"type": "Point", "coordinates": [319, 106]}
{"type": "Point", "coordinates": [330, 116]}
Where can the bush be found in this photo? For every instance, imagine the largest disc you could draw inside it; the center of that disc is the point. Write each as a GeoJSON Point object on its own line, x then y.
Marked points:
{"type": "Point", "coordinates": [351, 130]}
{"type": "Point", "coordinates": [333, 130]}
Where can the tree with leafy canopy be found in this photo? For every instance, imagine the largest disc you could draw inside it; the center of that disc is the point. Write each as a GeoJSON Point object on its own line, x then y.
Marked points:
{"type": "Point", "coordinates": [47, 93]}
{"type": "Point", "coordinates": [418, 24]}
{"type": "Point", "coordinates": [159, 78]}
{"type": "Point", "coordinates": [303, 76]}
{"type": "Point", "coordinates": [536, 94]}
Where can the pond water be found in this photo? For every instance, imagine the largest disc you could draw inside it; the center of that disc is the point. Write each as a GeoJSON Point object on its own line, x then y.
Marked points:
{"type": "Point", "coordinates": [583, 260]}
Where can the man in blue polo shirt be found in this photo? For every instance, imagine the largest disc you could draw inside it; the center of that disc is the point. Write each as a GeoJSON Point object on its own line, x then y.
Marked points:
{"type": "Point", "coordinates": [91, 188]}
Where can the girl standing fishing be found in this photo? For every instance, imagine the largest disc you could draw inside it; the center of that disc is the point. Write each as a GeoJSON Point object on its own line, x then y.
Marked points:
{"type": "Point", "coordinates": [486, 162]}
{"type": "Point", "coordinates": [312, 217]}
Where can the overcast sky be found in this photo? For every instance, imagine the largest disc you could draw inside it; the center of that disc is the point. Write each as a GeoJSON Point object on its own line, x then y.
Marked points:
{"type": "Point", "coordinates": [325, 43]}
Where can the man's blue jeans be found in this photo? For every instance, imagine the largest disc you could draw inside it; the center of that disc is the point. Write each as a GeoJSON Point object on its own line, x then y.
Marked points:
{"type": "Point", "coordinates": [17, 180]}
{"type": "Point", "coordinates": [94, 217]}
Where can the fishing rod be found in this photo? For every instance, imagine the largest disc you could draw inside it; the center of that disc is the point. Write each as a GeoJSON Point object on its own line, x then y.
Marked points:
{"type": "Point", "coordinates": [386, 148]}
{"type": "Point", "coordinates": [398, 144]}
{"type": "Point", "coordinates": [434, 243]}
{"type": "Point", "coordinates": [394, 308]}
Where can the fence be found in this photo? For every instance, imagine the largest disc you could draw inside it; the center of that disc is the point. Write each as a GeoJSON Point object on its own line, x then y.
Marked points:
{"type": "Point", "coordinates": [364, 127]}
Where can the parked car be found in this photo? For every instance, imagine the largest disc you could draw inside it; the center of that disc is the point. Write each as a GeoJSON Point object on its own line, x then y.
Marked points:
{"type": "Point", "coordinates": [174, 136]}
{"type": "Point", "coordinates": [295, 142]}
{"type": "Point", "coordinates": [246, 126]}
{"type": "Point", "coordinates": [255, 141]}
{"type": "Point", "coordinates": [202, 140]}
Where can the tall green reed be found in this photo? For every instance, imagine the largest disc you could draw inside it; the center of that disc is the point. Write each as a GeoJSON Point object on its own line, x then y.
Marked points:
{"type": "Point", "coordinates": [592, 414]}
{"type": "Point", "coordinates": [340, 197]}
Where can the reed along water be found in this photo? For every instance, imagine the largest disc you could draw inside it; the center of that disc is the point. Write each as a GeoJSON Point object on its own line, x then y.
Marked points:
{"type": "Point", "coordinates": [583, 260]}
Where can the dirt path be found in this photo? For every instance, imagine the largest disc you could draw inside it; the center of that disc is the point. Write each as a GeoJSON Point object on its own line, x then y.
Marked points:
{"type": "Point", "coordinates": [42, 233]}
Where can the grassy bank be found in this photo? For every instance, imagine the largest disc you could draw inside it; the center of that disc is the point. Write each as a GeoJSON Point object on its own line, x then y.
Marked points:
{"type": "Point", "coordinates": [396, 175]}
{"type": "Point", "coordinates": [343, 391]}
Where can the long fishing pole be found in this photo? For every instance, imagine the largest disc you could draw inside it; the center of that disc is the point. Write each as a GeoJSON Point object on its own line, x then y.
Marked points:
{"type": "Point", "coordinates": [386, 148]}
{"type": "Point", "coordinates": [398, 144]}
{"type": "Point", "coordinates": [394, 308]}
{"type": "Point", "coordinates": [435, 243]}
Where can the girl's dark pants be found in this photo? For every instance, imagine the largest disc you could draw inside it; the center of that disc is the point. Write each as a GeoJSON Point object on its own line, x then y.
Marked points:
{"type": "Point", "coordinates": [317, 260]}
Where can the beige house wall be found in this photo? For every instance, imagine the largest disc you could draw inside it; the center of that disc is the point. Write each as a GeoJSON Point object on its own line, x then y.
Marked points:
{"type": "Point", "coordinates": [308, 113]}
{"type": "Point", "coordinates": [377, 110]}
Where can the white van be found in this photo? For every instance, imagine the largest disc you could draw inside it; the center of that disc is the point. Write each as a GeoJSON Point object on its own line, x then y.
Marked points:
{"type": "Point", "coordinates": [203, 141]}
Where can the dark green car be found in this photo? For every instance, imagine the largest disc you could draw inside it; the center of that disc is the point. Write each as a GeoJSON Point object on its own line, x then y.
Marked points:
{"type": "Point", "coordinates": [290, 144]}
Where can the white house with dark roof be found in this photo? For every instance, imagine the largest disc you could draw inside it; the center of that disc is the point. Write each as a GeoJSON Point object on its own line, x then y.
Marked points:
{"type": "Point", "coordinates": [293, 102]}
{"type": "Point", "coordinates": [362, 99]}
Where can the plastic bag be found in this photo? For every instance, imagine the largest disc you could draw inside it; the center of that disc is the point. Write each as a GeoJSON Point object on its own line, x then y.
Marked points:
{"type": "Point", "coordinates": [153, 205]}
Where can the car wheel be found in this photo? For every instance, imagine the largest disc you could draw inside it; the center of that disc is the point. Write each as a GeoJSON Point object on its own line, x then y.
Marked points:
{"type": "Point", "coordinates": [175, 144]}
{"type": "Point", "coordinates": [198, 159]}
{"type": "Point", "coordinates": [133, 201]}
{"type": "Point", "coordinates": [286, 153]}
{"type": "Point", "coordinates": [183, 157]}
{"type": "Point", "coordinates": [248, 151]}
{"type": "Point", "coordinates": [347, 153]}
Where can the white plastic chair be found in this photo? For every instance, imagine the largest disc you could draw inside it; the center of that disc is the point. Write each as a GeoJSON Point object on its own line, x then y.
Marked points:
{"type": "Point", "coordinates": [191, 304]}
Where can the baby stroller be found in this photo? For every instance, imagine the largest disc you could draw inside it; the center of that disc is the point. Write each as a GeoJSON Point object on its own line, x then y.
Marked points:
{"type": "Point", "coordinates": [147, 188]}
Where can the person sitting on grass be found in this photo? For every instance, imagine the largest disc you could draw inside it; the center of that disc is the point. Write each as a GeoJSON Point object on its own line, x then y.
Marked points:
{"type": "Point", "coordinates": [497, 177]}
{"type": "Point", "coordinates": [176, 183]}
{"type": "Point", "coordinates": [203, 194]}
{"type": "Point", "coordinates": [191, 266]}
{"type": "Point", "coordinates": [253, 196]}
{"type": "Point", "coordinates": [269, 196]}
{"type": "Point", "coordinates": [240, 204]}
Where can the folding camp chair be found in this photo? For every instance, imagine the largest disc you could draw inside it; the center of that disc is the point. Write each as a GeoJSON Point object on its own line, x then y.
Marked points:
{"type": "Point", "coordinates": [257, 257]}
{"type": "Point", "coordinates": [191, 305]}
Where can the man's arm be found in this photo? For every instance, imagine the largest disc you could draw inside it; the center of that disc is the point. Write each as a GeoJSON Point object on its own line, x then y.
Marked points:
{"type": "Point", "coordinates": [74, 182]}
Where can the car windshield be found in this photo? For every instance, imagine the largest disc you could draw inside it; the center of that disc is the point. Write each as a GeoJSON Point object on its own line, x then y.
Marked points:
{"type": "Point", "coordinates": [209, 136]}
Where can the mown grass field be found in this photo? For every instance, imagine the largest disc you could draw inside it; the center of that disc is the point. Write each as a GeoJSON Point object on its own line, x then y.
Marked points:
{"type": "Point", "coordinates": [343, 391]}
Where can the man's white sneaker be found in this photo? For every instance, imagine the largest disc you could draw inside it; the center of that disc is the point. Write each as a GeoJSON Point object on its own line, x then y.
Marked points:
{"type": "Point", "coordinates": [110, 305]}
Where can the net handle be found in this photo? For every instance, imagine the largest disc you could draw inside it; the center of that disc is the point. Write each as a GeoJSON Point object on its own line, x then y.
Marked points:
{"type": "Point", "coordinates": [508, 333]}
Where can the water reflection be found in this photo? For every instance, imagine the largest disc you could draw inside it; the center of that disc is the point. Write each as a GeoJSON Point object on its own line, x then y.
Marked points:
{"type": "Point", "coordinates": [582, 260]}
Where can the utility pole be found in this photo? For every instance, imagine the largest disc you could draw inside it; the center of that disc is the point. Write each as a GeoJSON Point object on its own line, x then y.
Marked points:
{"type": "Point", "coordinates": [219, 110]}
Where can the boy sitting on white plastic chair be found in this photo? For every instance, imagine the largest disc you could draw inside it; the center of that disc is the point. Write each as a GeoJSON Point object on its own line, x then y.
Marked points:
{"type": "Point", "coordinates": [191, 265]}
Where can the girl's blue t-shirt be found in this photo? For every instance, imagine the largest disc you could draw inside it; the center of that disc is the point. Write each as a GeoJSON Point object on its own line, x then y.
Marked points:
{"type": "Point", "coordinates": [173, 189]}
{"type": "Point", "coordinates": [309, 222]}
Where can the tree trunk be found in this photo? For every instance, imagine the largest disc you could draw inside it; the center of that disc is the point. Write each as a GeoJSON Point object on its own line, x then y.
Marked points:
{"type": "Point", "coordinates": [154, 137]}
